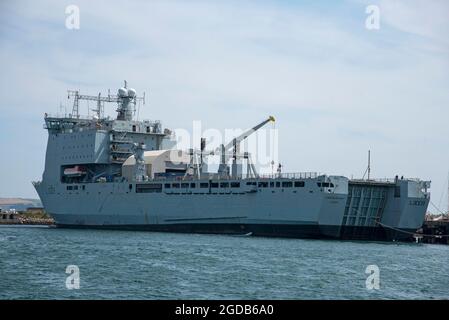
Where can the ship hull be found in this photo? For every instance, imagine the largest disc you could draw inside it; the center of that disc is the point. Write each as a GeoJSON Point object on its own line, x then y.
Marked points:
{"type": "Point", "coordinates": [266, 230]}
{"type": "Point", "coordinates": [304, 212]}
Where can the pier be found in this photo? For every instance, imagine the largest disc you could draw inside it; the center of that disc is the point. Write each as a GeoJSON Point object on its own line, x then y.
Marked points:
{"type": "Point", "coordinates": [436, 229]}
{"type": "Point", "coordinates": [31, 216]}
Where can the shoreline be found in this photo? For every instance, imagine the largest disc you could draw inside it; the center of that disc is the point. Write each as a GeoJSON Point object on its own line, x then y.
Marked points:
{"type": "Point", "coordinates": [28, 222]}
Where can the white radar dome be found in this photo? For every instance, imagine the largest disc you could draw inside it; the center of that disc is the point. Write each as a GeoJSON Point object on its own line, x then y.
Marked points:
{"type": "Point", "coordinates": [122, 92]}
{"type": "Point", "coordinates": [131, 93]}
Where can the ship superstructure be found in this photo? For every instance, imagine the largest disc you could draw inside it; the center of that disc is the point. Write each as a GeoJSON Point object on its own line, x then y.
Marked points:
{"type": "Point", "coordinates": [124, 174]}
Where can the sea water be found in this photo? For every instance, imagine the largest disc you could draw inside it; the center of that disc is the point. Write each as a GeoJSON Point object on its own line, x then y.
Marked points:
{"type": "Point", "coordinates": [53, 263]}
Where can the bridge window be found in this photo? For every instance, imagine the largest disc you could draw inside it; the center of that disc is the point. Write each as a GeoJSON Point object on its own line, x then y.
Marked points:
{"type": "Point", "coordinates": [175, 185]}
{"type": "Point", "coordinates": [167, 186]}
{"type": "Point", "coordinates": [214, 184]}
{"type": "Point", "coordinates": [278, 184]}
{"type": "Point", "coordinates": [299, 184]}
{"type": "Point", "coordinates": [184, 185]}
{"type": "Point", "coordinates": [193, 185]}
{"type": "Point", "coordinates": [287, 184]}
{"type": "Point", "coordinates": [224, 185]}
{"type": "Point", "coordinates": [235, 184]}
{"type": "Point", "coordinates": [263, 184]}
{"type": "Point", "coordinates": [204, 185]}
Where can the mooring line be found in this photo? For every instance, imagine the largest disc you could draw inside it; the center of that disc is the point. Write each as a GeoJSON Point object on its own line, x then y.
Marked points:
{"type": "Point", "coordinates": [414, 233]}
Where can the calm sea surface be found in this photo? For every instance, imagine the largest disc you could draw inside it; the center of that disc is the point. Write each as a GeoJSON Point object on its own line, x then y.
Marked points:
{"type": "Point", "coordinates": [145, 265]}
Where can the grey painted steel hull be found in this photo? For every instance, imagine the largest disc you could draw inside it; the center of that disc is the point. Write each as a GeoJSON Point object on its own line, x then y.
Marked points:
{"type": "Point", "coordinates": [268, 230]}
{"type": "Point", "coordinates": [294, 213]}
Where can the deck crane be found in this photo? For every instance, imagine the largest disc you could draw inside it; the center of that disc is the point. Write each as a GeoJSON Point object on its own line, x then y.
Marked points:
{"type": "Point", "coordinates": [232, 149]}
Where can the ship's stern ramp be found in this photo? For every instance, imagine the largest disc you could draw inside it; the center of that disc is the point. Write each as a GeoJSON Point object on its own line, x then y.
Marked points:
{"type": "Point", "coordinates": [379, 209]}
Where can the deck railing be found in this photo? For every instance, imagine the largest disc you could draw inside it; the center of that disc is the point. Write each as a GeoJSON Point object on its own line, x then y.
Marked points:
{"type": "Point", "coordinates": [215, 177]}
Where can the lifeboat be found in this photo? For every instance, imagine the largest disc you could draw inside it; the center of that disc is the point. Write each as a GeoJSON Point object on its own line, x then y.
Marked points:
{"type": "Point", "coordinates": [75, 171]}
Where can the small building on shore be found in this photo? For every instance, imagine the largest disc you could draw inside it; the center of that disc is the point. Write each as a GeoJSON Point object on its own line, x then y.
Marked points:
{"type": "Point", "coordinates": [9, 217]}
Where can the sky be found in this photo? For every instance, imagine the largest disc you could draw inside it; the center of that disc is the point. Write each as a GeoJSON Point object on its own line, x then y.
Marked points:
{"type": "Point", "coordinates": [336, 88]}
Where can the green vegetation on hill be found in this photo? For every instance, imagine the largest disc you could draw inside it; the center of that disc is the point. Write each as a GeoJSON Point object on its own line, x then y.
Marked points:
{"type": "Point", "coordinates": [35, 214]}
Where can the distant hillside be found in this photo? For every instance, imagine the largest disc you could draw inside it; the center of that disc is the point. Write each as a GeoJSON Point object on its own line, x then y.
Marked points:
{"type": "Point", "coordinates": [18, 203]}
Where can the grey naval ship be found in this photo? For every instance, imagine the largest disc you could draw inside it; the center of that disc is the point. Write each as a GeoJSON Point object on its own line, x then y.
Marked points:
{"type": "Point", "coordinates": [125, 174]}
